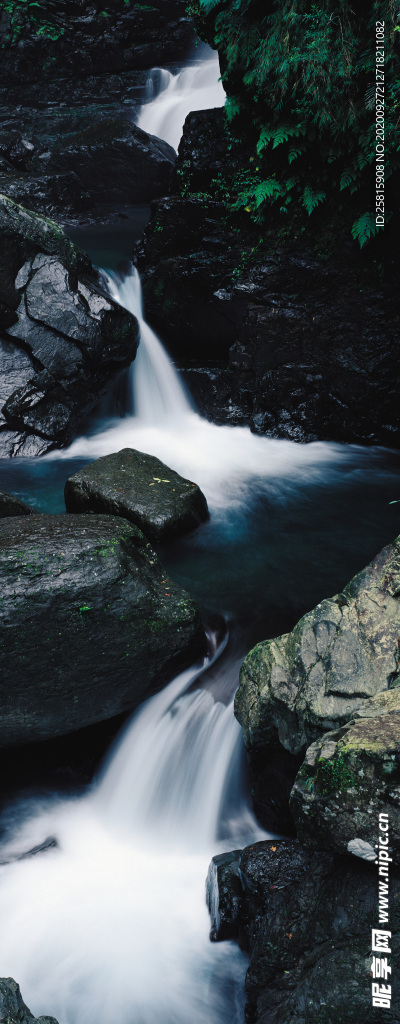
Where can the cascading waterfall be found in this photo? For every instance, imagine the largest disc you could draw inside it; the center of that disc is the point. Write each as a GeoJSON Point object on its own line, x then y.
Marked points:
{"type": "Point", "coordinates": [114, 922]}
{"type": "Point", "coordinates": [160, 419]}
{"type": "Point", "coordinates": [155, 391]}
{"type": "Point", "coordinates": [170, 98]}
{"type": "Point", "coordinates": [111, 926]}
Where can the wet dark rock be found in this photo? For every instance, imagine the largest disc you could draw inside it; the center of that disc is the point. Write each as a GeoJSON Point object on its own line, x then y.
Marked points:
{"type": "Point", "coordinates": [349, 778]}
{"type": "Point", "coordinates": [62, 341]}
{"type": "Point", "coordinates": [11, 506]}
{"type": "Point", "coordinates": [110, 161]}
{"type": "Point", "coordinates": [305, 918]}
{"type": "Point", "coordinates": [141, 489]}
{"type": "Point", "coordinates": [91, 625]}
{"type": "Point", "coordinates": [224, 896]}
{"type": "Point", "coordinates": [314, 679]}
{"type": "Point", "coordinates": [13, 1010]}
{"type": "Point", "coordinates": [302, 329]}
{"type": "Point", "coordinates": [48, 844]}
{"type": "Point", "coordinates": [87, 43]}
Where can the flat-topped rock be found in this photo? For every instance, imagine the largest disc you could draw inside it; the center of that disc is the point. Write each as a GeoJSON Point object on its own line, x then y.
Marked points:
{"type": "Point", "coordinates": [90, 624]}
{"type": "Point", "coordinates": [141, 489]}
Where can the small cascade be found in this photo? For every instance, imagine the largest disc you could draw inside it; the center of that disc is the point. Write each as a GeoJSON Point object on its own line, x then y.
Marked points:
{"type": "Point", "coordinates": [159, 418]}
{"type": "Point", "coordinates": [158, 80]}
{"type": "Point", "coordinates": [155, 392]}
{"type": "Point", "coordinates": [114, 919]}
{"type": "Point", "coordinates": [170, 99]}
{"type": "Point", "coordinates": [186, 749]}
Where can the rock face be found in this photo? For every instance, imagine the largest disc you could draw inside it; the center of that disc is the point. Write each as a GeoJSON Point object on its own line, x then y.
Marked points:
{"type": "Point", "coordinates": [11, 506]}
{"type": "Point", "coordinates": [141, 489]}
{"type": "Point", "coordinates": [75, 40]}
{"type": "Point", "coordinates": [90, 624]}
{"type": "Point", "coordinates": [350, 777]}
{"type": "Point", "coordinates": [314, 679]}
{"type": "Point", "coordinates": [306, 919]}
{"type": "Point", "coordinates": [13, 1008]}
{"type": "Point", "coordinates": [287, 341]}
{"type": "Point", "coordinates": [62, 341]}
{"type": "Point", "coordinates": [110, 161]}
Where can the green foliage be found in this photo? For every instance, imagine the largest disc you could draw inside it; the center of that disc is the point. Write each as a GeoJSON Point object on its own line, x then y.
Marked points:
{"type": "Point", "coordinates": [333, 775]}
{"type": "Point", "coordinates": [42, 17]}
{"type": "Point", "coordinates": [301, 85]}
{"type": "Point", "coordinates": [364, 228]}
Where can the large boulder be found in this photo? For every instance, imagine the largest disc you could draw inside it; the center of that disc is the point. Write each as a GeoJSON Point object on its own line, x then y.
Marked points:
{"type": "Point", "coordinates": [13, 1010]}
{"type": "Point", "coordinates": [109, 161]}
{"type": "Point", "coordinates": [90, 624]}
{"type": "Point", "coordinates": [349, 778]}
{"type": "Point", "coordinates": [141, 489]}
{"type": "Point", "coordinates": [305, 918]}
{"type": "Point", "coordinates": [313, 680]}
{"type": "Point", "coordinates": [62, 340]}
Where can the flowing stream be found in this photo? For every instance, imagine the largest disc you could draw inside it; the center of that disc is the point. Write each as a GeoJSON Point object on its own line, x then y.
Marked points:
{"type": "Point", "coordinates": [111, 925]}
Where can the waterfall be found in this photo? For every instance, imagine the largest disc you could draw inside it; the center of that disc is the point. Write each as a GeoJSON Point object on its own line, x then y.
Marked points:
{"type": "Point", "coordinates": [170, 98]}
{"type": "Point", "coordinates": [160, 419]}
{"type": "Point", "coordinates": [155, 392]}
{"type": "Point", "coordinates": [114, 921]}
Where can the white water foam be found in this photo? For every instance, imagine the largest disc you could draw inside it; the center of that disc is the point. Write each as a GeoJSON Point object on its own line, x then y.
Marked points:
{"type": "Point", "coordinates": [161, 420]}
{"type": "Point", "coordinates": [170, 98]}
{"type": "Point", "coordinates": [112, 926]}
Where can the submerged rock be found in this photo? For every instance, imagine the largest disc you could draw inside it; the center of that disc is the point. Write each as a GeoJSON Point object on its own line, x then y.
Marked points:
{"type": "Point", "coordinates": [11, 506]}
{"type": "Point", "coordinates": [62, 341]}
{"type": "Point", "coordinates": [13, 1010]}
{"type": "Point", "coordinates": [350, 777]}
{"type": "Point", "coordinates": [140, 488]}
{"type": "Point", "coordinates": [305, 918]}
{"type": "Point", "coordinates": [314, 679]}
{"type": "Point", "coordinates": [90, 624]}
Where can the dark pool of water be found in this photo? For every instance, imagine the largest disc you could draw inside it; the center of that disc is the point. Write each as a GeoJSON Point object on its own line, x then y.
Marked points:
{"type": "Point", "coordinates": [265, 562]}
{"type": "Point", "coordinates": [109, 244]}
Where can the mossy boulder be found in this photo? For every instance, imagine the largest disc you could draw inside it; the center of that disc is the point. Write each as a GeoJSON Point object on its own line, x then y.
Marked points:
{"type": "Point", "coordinates": [314, 679]}
{"type": "Point", "coordinates": [142, 489]}
{"type": "Point", "coordinates": [62, 340]}
{"type": "Point", "coordinates": [13, 1010]}
{"type": "Point", "coordinates": [350, 777]}
{"type": "Point", "coordinates": [90, 624]}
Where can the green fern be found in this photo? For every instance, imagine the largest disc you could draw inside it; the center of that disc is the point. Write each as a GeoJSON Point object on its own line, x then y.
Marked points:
{"type": "Point", "coordinates": [311, 199]}
{"type": "Point", "coordinates": [347, 179]}
{"type": "Point", "coordinates": [364, 228]}
{"type": "Point", "coordinates": [266, 190]}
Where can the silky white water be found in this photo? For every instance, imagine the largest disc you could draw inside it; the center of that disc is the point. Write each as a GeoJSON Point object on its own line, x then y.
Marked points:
{"type": "Point", "coordinates": [170, 98]}
{"type": "Point", "coordinates": [112, 925]}
{"type": "Point", "coordinates": [161, 420]}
